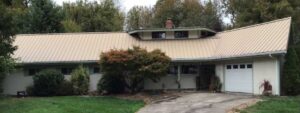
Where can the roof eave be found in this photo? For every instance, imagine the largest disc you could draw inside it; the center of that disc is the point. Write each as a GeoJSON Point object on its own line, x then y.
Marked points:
{"type": "Point", "coordinates": [173, 60]}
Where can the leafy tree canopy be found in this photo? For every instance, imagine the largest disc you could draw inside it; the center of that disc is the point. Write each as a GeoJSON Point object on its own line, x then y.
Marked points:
{"type": "Point", "coordinates": [7, 32]}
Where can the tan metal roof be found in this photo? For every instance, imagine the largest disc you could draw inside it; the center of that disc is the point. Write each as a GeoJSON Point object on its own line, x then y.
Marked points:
{"type": "Point", "coordinates": [266, 38]}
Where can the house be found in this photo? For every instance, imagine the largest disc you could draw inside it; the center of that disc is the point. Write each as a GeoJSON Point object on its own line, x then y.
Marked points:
{"type": "Point", "coordinates": [242, 58]}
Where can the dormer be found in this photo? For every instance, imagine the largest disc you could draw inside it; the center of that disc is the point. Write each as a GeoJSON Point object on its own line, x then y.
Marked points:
{"type": "Point", "coordinates": [172, 33]}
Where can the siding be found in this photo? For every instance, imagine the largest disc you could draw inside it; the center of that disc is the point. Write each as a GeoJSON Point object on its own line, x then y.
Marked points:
{"type": "Point", "coordinates": [17, 81]}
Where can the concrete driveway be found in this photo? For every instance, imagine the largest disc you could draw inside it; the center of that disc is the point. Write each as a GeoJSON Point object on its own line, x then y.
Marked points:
{"type": "Point", "coordinates": [199, 103]}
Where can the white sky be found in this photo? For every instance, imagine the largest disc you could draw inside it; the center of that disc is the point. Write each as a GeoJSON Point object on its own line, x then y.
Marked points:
{"type": "Point", "coordinates": [125, 4]}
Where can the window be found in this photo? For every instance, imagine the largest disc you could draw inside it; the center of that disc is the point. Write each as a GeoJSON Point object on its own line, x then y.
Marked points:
{"type": "Point", "coordinates": [249, 66]}
{"type": "Point", "coordinates": [181, 34]}
{"type": "Point", "coordinates": [228, 67]}
{"type": "Point", "coordinates": [173, 70]}
{"type": "Point", "coordinates": [96, 70]}
{"type": "Point", "coordinates": [242, 66]}
{"type": "Point", "coordinates": [235, 66]}
{"type": "Point", "coordinates": [32, 72]}
{"type": "Point", "coordinates": [158, 35]}
{"type": "Point", "coordinates": [189, 69]}
{"type": "Point", "coordinates": [66, 71]}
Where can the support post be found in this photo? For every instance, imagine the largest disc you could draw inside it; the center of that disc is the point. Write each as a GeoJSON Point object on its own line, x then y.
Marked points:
{"type": "Point", "coordinates": [179, 77]}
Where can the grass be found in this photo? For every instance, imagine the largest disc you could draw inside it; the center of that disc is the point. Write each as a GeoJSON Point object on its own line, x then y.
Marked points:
{"type": "Point", "coordinates": [276, 105]}
{"type": "Point", "coordinates": [69, 105]}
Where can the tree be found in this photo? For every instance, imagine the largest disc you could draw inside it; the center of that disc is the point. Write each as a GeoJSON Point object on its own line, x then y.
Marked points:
{"type": "Point", "coordinates": [93, 16]}
{"type": "Point", "coordinates": [7, 32]}
{"type": "Point", "coordinates": [165, 9]}
{"type": "Point", "coordinates": [291, 73]}
{"type": "Point", "coordinates": [71, 26]}
{"type": "Point", "coordinates": [249, 12]}
{"type": "Point", "coordinates": [210, 18]}
{"type": "Point", "coordinates": [139, 17]}
{"type": "Point", "coordinates": [192, 13]}
{"type": "Point", "coordinates": [44, 17]}
{"type": "Point", "coordinates": [134, 66]}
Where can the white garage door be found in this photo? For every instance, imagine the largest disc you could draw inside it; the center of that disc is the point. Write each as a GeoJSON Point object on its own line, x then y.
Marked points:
{"type": "Point", "coordinates": [238, 78]}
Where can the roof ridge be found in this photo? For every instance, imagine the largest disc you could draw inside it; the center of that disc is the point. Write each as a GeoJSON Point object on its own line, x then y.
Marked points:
{"type": "Point", "coordinates": [255, 25]}
{"type": "Point", "coordinates": [75, 33]}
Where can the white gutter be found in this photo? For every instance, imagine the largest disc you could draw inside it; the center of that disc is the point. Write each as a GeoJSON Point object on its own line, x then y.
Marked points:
{"type": "Point", "coordinates": [173, 60]}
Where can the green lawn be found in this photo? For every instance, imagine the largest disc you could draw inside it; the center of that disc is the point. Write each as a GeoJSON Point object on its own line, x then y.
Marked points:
{"type": "Point", "coordinates": [276, 105]}
{"type": "Point", "coordinates": [68, 105]}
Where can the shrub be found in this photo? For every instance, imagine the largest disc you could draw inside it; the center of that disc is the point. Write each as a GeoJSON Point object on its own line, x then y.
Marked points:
{"type": "Point", "coordinates": [30, 90]}
{"type": "Point", "coordinates": [80, 80]}
{"type": "Point", "coordinates": [267, 88]}
{"type": "Point", "coordinates": [65, 89]}
{"type": "Point", "coordinates": [111, 83]}
{"type": "Point", "coordinates": [215, 84]}
{"type": "Point", "coordinates": [291, 74]}
{"type": "Point", "coordinates": [133, 66]}
{"type": "Point", "coordinates": [47, 82]}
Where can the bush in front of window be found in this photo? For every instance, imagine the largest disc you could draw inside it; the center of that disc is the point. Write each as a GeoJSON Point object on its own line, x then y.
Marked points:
{"type": "Point", "coordinates": [47, 82]}
{"type": "Point", "coordinates": [80, 80]}
{"type": "Point", "coordinates": [65, 89]}
{"type": "Point", "coordinates": [133, 66]}
{"type": "Point", "coordinates": [111, 83]}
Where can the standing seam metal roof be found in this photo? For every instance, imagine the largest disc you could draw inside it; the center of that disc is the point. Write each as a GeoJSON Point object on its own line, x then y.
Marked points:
{"type": "Point", "coordinates": [265, 38]}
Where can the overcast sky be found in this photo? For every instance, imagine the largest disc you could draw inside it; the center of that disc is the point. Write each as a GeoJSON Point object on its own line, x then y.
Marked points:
{"type": "Point", "coordinates": [125, 4]}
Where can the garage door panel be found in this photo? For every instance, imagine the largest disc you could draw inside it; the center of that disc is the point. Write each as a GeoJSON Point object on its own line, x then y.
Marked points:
{"type": "Point", "coordinates": [238, 79]}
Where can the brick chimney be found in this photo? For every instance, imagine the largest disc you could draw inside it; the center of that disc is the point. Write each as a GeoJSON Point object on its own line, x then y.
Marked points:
{"type": "Point", "coordinates": [169, 24]}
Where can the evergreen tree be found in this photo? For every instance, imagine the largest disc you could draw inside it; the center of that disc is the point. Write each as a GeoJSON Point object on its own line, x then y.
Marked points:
{"type": "Point", "coordinates": [7, 32]}
{"type": "Point", "coordinates": [291, 74]}
{"type": "Point", "coordinates": [210, 18]}
{"type": "Point", "coordinates": [44, 17]}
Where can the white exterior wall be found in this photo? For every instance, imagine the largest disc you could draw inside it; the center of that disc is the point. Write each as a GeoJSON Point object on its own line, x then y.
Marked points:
{"type": "Point", "coordinates": [17, 81]}
{"type": "Point", "coordinates": [94, 79]}
{"type": "Point", "coordinates": [169, 81]}
{"type": "Point", "coordinates": [263, 69]}
{"type": "Point", "coordinates": [193, 34]}
{"type": "Point", "coordinates": [220, 72]}
{"type": "Point", "coordinates": [266, 69]}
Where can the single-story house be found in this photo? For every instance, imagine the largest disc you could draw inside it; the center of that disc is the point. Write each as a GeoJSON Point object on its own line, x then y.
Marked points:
{"type": "Point", "coordinates": [242, 58]}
